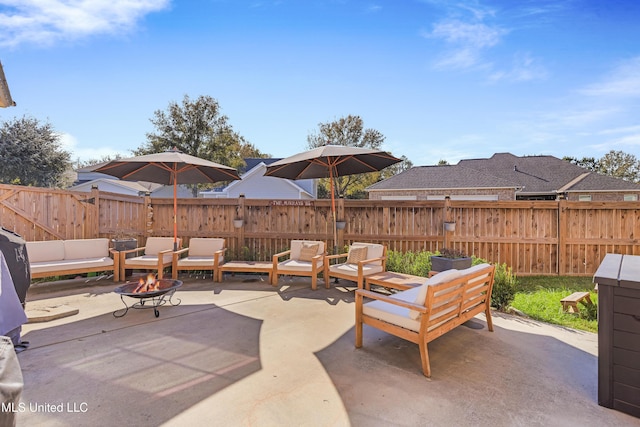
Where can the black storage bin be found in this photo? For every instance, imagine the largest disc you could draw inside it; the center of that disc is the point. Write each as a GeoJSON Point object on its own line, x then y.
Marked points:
{"type": "Point", "coordinates": [14, 249]}
{"type": "Point", "coordinates": [618, 279]}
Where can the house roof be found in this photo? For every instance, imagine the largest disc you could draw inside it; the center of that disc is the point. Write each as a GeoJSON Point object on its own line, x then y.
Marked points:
{"type": "Point", "coordinates": [528, 174]}
{"type": "Point", "coordinates": [546, 174]}
{"type": "Point", "coordinates": [440, 177]}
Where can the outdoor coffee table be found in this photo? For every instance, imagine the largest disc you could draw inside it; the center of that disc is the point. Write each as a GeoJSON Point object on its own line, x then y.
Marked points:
{"type": "Point", "coordinates": [391, 279]}
{"type": "Point", "coordinates": [247, 267]}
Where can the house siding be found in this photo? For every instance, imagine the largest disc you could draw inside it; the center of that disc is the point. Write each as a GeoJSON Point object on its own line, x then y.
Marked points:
{"type": "Point", "coordinates": [502, 193]}
{"type": "Point", "coordinates": [600, 197]}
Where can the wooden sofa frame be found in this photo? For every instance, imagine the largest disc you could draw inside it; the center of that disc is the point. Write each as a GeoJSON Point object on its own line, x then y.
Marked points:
{"type": "Point", "coordinates": [463, 296]}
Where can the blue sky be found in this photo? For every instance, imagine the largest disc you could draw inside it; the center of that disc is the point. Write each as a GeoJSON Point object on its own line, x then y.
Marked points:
{"type": "Point", "coordinates": [439, 79]}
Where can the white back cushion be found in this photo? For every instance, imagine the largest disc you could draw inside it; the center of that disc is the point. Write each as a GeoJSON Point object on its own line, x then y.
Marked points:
{"type": "Point", "coordinates": [86, 248]}
{"type": "Point", "coordinates": [204, 246]}
{"type": "Point", "coordinates": [374, 250]}
{"type": "Point", "coordinates": [296, 247]}
{"type": "Point", "coordinates": [51, 250]}
{"type": "Point", "coordinates": [156, 244]}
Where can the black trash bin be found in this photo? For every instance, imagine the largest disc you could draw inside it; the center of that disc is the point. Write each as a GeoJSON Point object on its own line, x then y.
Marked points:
{"type": "Point", "coordinates": [14, 249]}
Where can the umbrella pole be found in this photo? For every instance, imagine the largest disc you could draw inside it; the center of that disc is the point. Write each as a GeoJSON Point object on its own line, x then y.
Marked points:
{"type": "Point", "coordinates": [333, 211]}
{"type": "Point", "coordinates": [175, 213]}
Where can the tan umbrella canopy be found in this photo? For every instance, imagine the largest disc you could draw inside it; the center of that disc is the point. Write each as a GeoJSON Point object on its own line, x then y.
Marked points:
{"type": "Point", "coordinates": [331, 161]}
{"type": "Point", "coordinates": [169, 168]}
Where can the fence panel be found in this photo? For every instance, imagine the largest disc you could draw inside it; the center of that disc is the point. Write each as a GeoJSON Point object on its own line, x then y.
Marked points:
{"type": "Point", "coordinates": [567, 238]}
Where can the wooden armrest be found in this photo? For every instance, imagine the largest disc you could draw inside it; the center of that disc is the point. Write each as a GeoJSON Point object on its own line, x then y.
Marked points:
{"type": "Point", "coordinates": [336, 256]}
{"type": "Point", "coordinates": [319, 256]}
{"type": "Point", "coordinates": [166, 251]}
{"type": "Point", "coordinates": [181, 251]}
{"type": "Point", "coordinates": [381, 297]}
{"type": "Point", "coordinates": [370, 260]}
{"type": "Point", "coordinates": [128, 251]}
{"type": "Point", "coordinates": [278, 255]}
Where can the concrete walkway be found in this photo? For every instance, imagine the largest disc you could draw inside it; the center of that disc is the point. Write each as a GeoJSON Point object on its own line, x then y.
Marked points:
{"type": "Point", "coordinates": [244, 353]}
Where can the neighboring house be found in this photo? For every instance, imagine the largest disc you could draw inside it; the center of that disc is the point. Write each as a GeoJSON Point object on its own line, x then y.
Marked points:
{"type": "Point", "coordinates": [254, 185]}
{"type": "Point", "coordinates": [87, 179]}
{"type": "Point", "coordinates": [505, 177]}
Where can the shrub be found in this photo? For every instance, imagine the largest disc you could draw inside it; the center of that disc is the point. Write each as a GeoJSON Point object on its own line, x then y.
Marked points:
{"type": "Point", "coordinates": [416, 263]}
{"type": "Point", "coordinates": [504, 287]}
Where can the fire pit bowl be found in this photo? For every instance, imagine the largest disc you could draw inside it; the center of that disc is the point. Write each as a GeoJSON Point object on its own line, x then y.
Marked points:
{"type": "Point", "coordinates": [153, 290]}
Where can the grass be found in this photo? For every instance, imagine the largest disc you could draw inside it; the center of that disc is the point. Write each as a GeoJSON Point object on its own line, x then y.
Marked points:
{"type": "Point", "coordinates": [539, 298]}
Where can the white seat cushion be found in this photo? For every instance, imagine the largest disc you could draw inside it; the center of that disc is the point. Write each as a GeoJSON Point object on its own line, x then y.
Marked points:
{"type": "Point", "coordinates": [68, 264]}
{"type": "Point", "coordinates": [148, 260]}
{"type": "Point", "coordinates": [297, 265]}
{"type": "Point", "coordinates": [197, 261]}
{"type": "Point", "coordinates": [393, 314]}
{"type": "Point", "coordinates": [352, 269]}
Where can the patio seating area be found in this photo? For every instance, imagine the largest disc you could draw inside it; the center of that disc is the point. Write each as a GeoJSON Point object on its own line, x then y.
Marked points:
{"type": "Point", "coordinates": [244, 352]}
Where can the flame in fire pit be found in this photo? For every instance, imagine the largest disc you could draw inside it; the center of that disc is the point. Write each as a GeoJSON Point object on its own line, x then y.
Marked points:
{"type": "Point", "coordinates": [149, 285]}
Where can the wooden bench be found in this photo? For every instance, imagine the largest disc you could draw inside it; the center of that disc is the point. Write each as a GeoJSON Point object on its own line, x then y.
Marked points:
{"type": "Point", "coordinates": [571, 302]}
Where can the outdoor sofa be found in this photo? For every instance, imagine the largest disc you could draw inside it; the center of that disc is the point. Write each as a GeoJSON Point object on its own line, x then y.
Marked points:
{"type": "Point", "coordinates": [424, 313]}
{"type": "Point", "coordinates": [75, 256]}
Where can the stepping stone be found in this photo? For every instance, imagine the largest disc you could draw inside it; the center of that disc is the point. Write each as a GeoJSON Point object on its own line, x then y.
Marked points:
{"type": "Point", "coordinates": [47, 313]}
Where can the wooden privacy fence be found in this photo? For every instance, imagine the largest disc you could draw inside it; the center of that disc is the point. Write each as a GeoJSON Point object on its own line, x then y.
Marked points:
{"type": "Point", "coordinates": [546, 237]}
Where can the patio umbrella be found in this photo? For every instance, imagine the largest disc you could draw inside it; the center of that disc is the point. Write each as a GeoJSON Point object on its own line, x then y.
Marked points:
{"type": "Point", "coordinates": [330, 161]}
{"type": "Point", "coordinates": [169, 168]}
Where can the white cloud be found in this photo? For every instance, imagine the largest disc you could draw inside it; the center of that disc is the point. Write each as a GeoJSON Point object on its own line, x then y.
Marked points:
{"type": "Point", "coordinates": [44, 22]}
{"type": "Point", "coordinates": [524, 68]}
{"type": "Point", "coordinates": [623, 81]}
{"type": "Point", "coordinates": [468, 41]}
{"type": "Point", "coordinates": [69, 143]}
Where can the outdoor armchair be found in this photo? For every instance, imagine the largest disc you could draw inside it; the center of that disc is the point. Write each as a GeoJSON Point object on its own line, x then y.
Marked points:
{"type": "Point", "coordinates": [203, 253]}
{"type": "Point", "coordinates": [305, 258]}
{"type": "Point", "coordinates": [157, 254]}
{"type": "Point", "coordinates": [363, 259]}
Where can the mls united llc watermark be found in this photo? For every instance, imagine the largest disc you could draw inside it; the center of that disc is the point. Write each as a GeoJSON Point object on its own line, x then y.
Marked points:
{"type": "Point", "coordinates": [78, 407]}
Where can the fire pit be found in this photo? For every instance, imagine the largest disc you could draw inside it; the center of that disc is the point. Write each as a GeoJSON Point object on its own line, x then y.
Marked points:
{"type": "Point", "coordinates": [150, 290]}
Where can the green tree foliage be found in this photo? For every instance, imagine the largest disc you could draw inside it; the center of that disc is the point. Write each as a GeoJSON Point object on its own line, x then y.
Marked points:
{"type": "Point", "coordinates": [31, 154]}
{"type": "Point", "coordinates": [199, 129]}
{"type": "Point", "coordinates": [349, 131]}
{"type": "Point", "coordinates": [620, 165]}
{"type": "Point", "coordinates": [617, 164]}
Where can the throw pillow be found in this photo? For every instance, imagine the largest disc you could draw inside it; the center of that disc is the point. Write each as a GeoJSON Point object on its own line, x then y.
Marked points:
{"type": "Point", "coordinates": [356, 254]}
{"type": "Point", "coordinates": [308, 251]}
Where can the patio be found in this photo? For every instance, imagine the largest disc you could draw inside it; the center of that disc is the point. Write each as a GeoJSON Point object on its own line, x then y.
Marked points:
{"type": "Point", "coordinates": [242, 352]}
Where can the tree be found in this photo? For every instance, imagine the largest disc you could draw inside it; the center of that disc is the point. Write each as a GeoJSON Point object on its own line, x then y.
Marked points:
{"type": "Point", "coordinates": [199, 129]}
{"type": "Point", "coordinates": [589, 163]}
{"type": "Point", "coordinates": [615, 163]}
{"type": "Point", "coordinates": [31, 154]}
{"type": "Point", "coordinates": [350, 131]}
{"type": "Point", "coordinates": [620, 165]}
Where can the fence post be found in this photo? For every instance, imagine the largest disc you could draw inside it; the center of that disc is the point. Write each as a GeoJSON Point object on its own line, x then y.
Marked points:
{"type": "Point", "coordinates": [562, 237]}
{"type": "Point", "coordinates": [94, 214]}
{"type": "Point", "coordinates": [240, 216]}
{"type": "Point", "coordinates": [446, 219]}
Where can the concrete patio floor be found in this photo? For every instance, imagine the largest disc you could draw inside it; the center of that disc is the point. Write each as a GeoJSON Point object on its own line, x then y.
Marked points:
{"type": "Point", "coordinates": [244, 353]}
